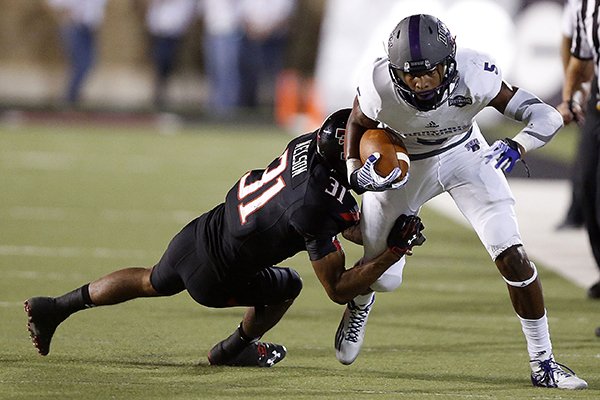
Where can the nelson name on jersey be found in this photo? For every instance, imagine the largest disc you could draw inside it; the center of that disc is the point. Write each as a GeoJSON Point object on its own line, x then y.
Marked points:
{"type": "Point", "coordinates": [300, 158]}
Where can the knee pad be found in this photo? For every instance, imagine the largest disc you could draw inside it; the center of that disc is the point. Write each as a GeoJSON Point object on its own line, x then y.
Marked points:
{"type": "Point", "coordinates": [391, 279]}
{"type": "Point", "coordinates": [526, 282]}
{"type": "Point", "coordinates": [274, 285]}
{"type": "Point", "coordinates": [293, 285]}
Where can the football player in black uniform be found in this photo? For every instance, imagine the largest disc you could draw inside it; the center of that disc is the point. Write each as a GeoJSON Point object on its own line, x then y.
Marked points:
{"type": "Point", "coordinates": [227, 257]}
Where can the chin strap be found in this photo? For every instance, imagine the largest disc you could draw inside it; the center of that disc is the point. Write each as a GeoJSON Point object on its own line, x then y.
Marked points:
{"type": "Point", "coordinates": [525, 282]}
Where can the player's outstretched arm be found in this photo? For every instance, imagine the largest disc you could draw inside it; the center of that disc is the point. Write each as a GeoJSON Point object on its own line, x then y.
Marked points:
{"type": "Point", "coordinates": [541, 120]}
{"type": "Point", "coordinates": [342, 285]}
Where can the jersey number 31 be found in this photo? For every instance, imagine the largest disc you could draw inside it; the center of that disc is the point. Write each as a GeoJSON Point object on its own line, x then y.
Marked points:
{"type": "Point", "coordinates": [271, 178]}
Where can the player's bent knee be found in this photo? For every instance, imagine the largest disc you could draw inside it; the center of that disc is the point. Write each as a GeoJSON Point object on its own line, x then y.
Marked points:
{"type": "Point", "coordinates": [387, 283]}
{"type": "Point", "coordinates": [294, 284]}
{"type": "Point", "coordinates": [515, 267]}
{"type": "Point", "coordinates": [275, 285]}
{"type": "Point", "coordinates": [288, 286]}
{"type": "Point", "coordinates": [526, 282]}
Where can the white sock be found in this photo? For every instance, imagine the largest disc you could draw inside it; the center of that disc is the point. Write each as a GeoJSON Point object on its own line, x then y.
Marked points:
{"type": "Point", "coordinates": [537, 335]}
{"type": "Point", "coordinates": [363, 299]}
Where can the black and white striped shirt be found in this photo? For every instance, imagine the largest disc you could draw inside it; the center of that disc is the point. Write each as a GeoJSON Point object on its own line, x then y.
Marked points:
{"type": "Point", "coordinates": [585, 44]}
{"type": "Point", "coordinates": [586, 36]}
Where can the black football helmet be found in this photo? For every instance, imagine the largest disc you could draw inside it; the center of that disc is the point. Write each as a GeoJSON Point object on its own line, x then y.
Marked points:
{"type": "Point", "coordinates": [330, 140]}
{"type": "Point", "coordinates": [421, 43]}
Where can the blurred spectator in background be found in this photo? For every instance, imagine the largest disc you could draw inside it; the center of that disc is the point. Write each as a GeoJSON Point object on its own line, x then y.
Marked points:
{"type": "Point", "coordinates": [266, 28]}
{"type": "Point", "coordinates": [574, 217]}
{"type": "Point", "coordinates": [297, 103]}
{"type": "Point", "coordinates": [79, 21]}
{"type": "Point", "coordinates": [167, 22]}
{"type": "Point", "coordinates": [222, 46]}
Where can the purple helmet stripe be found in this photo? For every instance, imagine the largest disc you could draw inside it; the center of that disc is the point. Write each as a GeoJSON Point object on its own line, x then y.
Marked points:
{"type": "Point", "coordinates": [414, 37]}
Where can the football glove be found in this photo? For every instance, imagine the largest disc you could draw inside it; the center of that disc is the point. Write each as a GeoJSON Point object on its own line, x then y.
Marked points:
{"type": "Point", "coordinates": [365, 177]}
{"type": "Point", "coordinates": [505, 151]}
{"type": "Point", "coordinates": [405, 234]}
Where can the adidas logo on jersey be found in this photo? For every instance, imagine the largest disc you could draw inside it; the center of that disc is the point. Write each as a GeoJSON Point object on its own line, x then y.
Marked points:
{"type": "Point", "coordinates": [432, 124]}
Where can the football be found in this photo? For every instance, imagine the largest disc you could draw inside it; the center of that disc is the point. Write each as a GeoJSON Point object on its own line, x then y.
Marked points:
{"type": "Point", "coordinates": [392, 150]}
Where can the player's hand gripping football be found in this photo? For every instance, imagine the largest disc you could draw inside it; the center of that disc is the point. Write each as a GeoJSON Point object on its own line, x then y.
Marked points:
{"type": "Point", "coordinates": [506, 152]}
{"type": "Point", "coordinates": [366, 178]}
{"type": "Point", "coordinates": [405, 234]}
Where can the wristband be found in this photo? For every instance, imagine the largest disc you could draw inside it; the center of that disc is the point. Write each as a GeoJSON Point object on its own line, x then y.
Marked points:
{"type": "Point", "coordinates": [352, 164]}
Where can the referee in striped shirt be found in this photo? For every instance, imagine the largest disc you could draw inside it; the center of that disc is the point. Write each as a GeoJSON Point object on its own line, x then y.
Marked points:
{"type": "Point", "coordinates": [585, 51]}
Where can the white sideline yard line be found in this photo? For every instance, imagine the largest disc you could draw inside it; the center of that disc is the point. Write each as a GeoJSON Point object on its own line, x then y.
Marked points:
{"type": "Point", "coordinates": [45, 275]}
{"type": "Point", "coordinates": [68, 161]}
{"type": "Point", "coordinates": [26, 213]}
{"type": "Point", "coordinates": [11, 304]}
{"type": "Point", "coordinates": [70, 252]}
{"type": "Point", "coordinates": [541, 206]}
{"type": "Point", "coordinates": [39, 160]}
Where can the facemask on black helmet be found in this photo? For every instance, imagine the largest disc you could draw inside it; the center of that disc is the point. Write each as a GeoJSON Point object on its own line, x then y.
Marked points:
{"type": "Point", "coordinates": [330, 140]}
{"type": "Point", "coordinates": [422, 43]}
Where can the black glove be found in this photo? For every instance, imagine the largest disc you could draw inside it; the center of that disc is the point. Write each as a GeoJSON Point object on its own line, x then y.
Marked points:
{"type": "Point", "coordinates": [405, 234]}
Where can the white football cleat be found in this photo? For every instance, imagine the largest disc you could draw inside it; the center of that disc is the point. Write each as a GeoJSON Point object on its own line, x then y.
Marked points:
{"type": "Point", "coordinates": [548, 373]}
{"type": "Point", "coordinates": [351, 331]}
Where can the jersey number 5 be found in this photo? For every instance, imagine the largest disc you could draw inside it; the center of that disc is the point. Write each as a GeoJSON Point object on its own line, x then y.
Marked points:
{"type": "Point", "coordinates": [265, 184]}
{"type": "Point", "coordinates": [490, 67]}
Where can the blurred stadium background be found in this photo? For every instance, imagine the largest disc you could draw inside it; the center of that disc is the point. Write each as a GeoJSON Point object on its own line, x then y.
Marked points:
{"type": "Point", "coordinates": [107, 184]}
{"type": "Point", "coordinates": [329, 40]}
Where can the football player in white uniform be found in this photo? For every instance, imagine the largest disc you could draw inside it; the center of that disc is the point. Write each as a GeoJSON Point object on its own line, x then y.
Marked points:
{"type": "Point", "coordinates": [428, 93]}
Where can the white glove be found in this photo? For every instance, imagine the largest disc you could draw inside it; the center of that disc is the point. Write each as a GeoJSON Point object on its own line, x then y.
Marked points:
{"type": "Point", "coordinates": [365, 178]}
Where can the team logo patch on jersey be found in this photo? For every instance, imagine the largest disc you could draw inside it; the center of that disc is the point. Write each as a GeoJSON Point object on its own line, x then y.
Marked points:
{"type": "Point", "coordinates": [473, 145]}
{"type": "Point", "coordinates": [459, 101]}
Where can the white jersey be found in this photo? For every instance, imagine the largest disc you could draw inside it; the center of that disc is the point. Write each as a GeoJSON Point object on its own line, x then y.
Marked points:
{"type": "Point", "coordinates": [425, 131]}
{"type": "Point", "coordinates": [445, 146]}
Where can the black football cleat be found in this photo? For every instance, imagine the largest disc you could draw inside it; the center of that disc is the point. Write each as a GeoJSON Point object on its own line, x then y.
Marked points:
{"type": "Point", "coordinates": [594, 291]}
{"type": "Point", "coordinates": [43, 319]}
{"type": "Point", "coordinates": [256, 354]}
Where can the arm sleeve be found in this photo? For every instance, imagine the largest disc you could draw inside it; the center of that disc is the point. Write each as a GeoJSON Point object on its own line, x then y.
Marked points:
{"type": "Point", "coordinates": [543, 120]}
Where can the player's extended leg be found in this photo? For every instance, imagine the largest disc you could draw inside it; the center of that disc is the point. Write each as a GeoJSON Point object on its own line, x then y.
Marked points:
{"type": "Point", "coordinates": [46, 313]}
{"type": "Point", "coordinates": [379, 211]}
{"type": "Point", "coordinates": [527, 298]}
{"type": "Point", "coordinates": [274, 289]}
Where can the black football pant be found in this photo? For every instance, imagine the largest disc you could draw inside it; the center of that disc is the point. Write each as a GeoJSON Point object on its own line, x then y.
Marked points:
{"type": "Point", "coordinates": [589, 152]}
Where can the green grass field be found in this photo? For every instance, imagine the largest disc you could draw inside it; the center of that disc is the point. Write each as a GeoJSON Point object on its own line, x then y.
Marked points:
{"type": "Point", "coordinates": [77, 203]}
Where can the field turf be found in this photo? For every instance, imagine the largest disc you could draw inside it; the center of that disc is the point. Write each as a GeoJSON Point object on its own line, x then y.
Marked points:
{"type": "Point", "coordinates": [78, 202]}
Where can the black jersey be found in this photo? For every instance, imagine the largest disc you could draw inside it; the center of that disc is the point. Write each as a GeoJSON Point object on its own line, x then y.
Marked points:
{"type": "Point", "coordinates": [271, 214]}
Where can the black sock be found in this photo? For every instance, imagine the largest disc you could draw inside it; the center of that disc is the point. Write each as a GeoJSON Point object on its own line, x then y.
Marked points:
{"type": "Point", "coordinates": [237, 341]}
{"type": "Point", "coordinates": [75, 300]}
{"type": "Point", "coordinates": [243, 335]}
